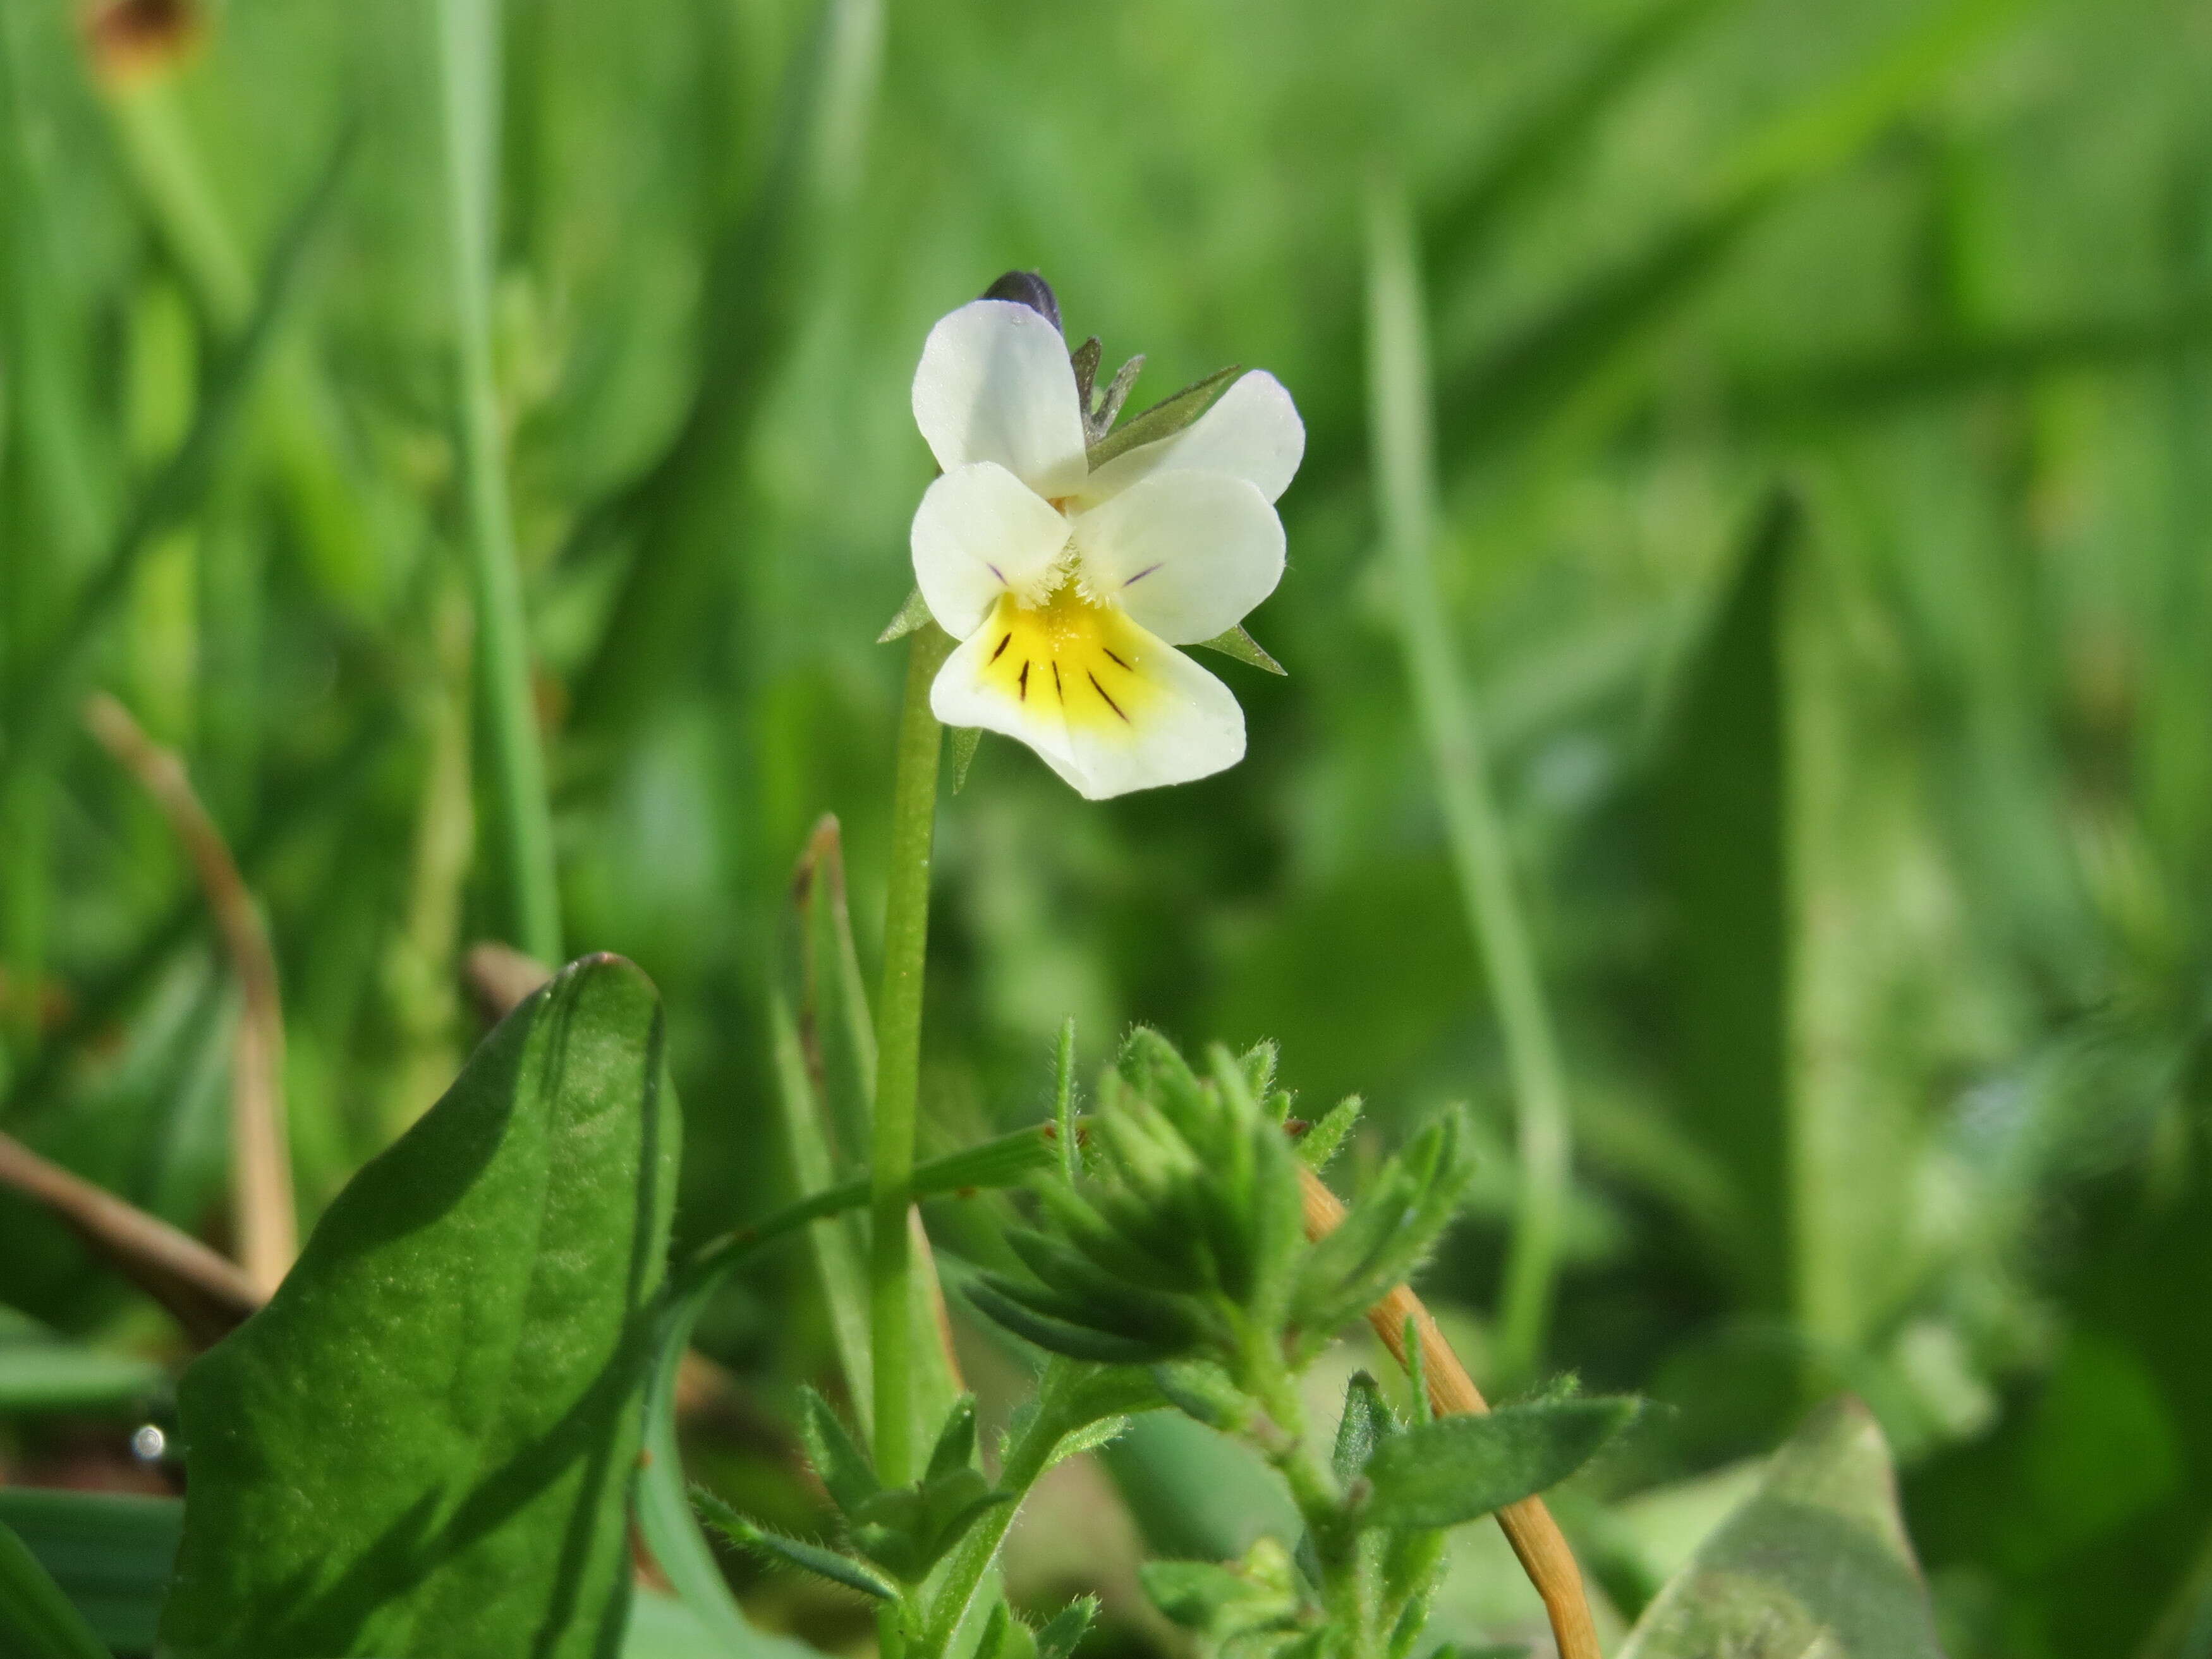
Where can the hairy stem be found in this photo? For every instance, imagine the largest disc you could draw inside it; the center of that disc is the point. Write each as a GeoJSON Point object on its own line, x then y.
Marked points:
{"type": "Point", "coordinates": [898, 1066]}
{"type": "Point", "coordinates": [1027, 1459]}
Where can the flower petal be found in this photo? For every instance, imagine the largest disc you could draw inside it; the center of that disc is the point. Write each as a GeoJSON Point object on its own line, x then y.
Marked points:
{"type": "Point", "coordinates": [979, 531]}
{"type": "Point", "coordinates": [1188, 553]}
{"type": "Point", "coordinates": [1110, 706]}
{"type": "Point", "coordinates": [1252, 431]}
{"type": "Point", "coordinates": [995, 385]}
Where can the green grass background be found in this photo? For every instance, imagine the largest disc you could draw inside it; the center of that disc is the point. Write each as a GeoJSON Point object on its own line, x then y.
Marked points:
{"type": "Point", "coordinates": [1867, 855]}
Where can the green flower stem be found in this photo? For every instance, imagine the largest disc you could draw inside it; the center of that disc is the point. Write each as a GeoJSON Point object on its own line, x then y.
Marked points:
{"type": "Point", "coordinates": [898, 1066]}
{"type": "Point", "coordinates": [1404, 454]}
{"type": "Point", "coordinates": [468, 42]}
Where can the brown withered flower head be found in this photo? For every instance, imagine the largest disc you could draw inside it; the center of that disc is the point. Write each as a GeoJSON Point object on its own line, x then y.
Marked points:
{"type": "Point", "coordinates": [132, 39]}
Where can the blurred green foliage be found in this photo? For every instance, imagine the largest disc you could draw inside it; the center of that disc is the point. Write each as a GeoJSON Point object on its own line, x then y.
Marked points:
{"type": "Point", "coordinates": [1866, 837]}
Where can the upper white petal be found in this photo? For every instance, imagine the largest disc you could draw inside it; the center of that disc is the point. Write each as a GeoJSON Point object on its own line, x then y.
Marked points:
{"type": "Point", "coordinates": [981, 531]}
{"type": "Point", "coordinates": [1187, 555]}
{"type": "Point", "coordinates": [995, 385]}
{"type": "Point", "coordinates": [1252, 431]}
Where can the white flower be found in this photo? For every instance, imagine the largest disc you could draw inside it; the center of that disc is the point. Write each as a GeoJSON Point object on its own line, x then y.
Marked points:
{"type": "Point", "coordinates": [1070, 589]}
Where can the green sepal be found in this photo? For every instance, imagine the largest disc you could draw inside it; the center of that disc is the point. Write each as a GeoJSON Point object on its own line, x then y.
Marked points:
{"type": "Point", "coordinates": [792, 1552]}
{"type": "Point", "coordinates": [911, 615]}
{"type": "Point", "coordinates": [1163, 419]}
{"type": "Point", "coordinates": [961, 748]}
{"type": "Point", "coordinates": [1458, 1468]}
{"type": "Point", "coordinates": [1320, 1142]}
{"type": "Point", "coordinates": [844, 1470]}
{"type": "Point", "coordinates": [1084, 360]}
{"type": "Point", "coordinates": [1242, 646]}
{"type": "Point", "coordinates": [1366, 1423]}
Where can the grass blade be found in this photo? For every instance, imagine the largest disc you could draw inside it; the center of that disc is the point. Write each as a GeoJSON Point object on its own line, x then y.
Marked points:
{"type": "Point", "coordinates": [1405, 471]}
{"type": "Point", "coordinates": [468, 42]}
{"type": "Point", "coordinates": [41, 701]}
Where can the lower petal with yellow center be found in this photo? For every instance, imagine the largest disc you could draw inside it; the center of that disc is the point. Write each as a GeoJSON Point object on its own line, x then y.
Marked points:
{"type": "Point", "coordinates": [1111, 706]}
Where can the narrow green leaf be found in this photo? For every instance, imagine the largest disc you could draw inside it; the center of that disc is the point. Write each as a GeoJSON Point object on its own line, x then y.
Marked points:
{"type": "Point", "coordinates": [1007, 1302]}
{"type": "Point", "coordinates": [665, 1518]}
{"type": "Point", "coordinates": [1458, 1468]}
{"type": "Point", "coordinates": [1367, 1421]}
{"type": "Point", "coordinates": [955, 1441]}
{"type": "Point", "coordinates": [911, 615]}
{"type": "Point", "coordinates": [1814, 1563]}
{"type": "Point", "coordinates": [839, 1463]}
{"type": "Point", "coordinates": [793, 1551]}
{"type": "Point", "coordinates": [1242, 646]}
{"type": "Point", "coordinates": [836, 1252]}
{"type": "Point", "coordinates": [36, 1619]}
{"type": "Point", "coordinates": [1063, 1102]}
{"type": "Point", "coordinates": [426, 1439]}
{"type": "Point", "coordinates": [1320, 1142]}
{"type": "Point", "coordinates": [1165, 418]}
{"type": "Point", "coordinates": [1066, 1628]}
{"type": "Point", "coordinates": [111, 1555]}
{"type": "Point", "coordinates": [1005, 1637]}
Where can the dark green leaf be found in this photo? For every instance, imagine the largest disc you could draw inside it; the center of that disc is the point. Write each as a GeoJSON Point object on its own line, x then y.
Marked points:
{"type": "Point", "coordinates": [426, 1440]}
{"type": "Point", "coordinates": [793, 1551]}
{"type": "Point", "coordinates": [36, 1619]}
{"type": "Point", "coordinates": [1008, 1302]}
{"type": "Point", "coordinates": [1456, 1468]}
{"type": "Point", "coordinates": [1815, 1562]}
{"type": "Point", "coordinates": [112, 1555]}
{"type": "Point", "coordinates": [1165, 418]}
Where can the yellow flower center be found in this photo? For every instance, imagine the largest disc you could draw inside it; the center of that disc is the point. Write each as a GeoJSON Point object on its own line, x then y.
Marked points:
{"type": "Point", "coordinates": [1071, 655]}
